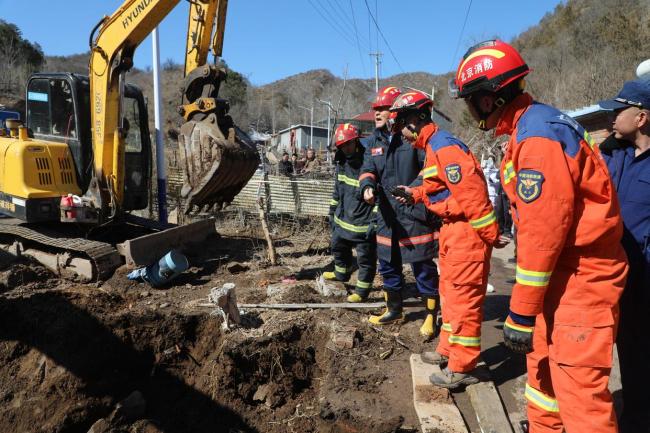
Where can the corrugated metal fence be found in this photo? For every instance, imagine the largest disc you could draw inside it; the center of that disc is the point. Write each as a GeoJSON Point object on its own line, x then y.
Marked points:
{"type": "Point", "coordinates": [297, 196]}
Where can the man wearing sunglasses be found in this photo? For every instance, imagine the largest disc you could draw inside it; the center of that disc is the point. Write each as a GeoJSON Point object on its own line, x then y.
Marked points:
{"type": "Point", "coordinates": [628, 161]}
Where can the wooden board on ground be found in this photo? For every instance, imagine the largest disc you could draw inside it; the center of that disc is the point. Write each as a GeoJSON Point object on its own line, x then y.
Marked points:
{"type": "Point", "coordinates": [435, 408]}
{"type": "Point", "coordinates": [485, 399]}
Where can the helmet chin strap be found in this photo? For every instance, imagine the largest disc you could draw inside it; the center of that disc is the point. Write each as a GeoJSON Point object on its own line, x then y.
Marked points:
{"type": "Point", "coordinates": [484, 115]}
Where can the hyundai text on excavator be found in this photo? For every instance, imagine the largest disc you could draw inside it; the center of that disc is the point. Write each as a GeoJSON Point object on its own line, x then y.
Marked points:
{"type": "Point", "coordinates": [71, 175]}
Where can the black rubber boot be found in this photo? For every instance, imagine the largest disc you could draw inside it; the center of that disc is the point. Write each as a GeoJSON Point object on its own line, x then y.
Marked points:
{"type": "Point", "coordinates": [393, 311]}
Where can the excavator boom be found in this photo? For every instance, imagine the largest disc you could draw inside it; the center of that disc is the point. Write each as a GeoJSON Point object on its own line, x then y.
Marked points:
{"type": "Point", "coordinates": [218, 158]}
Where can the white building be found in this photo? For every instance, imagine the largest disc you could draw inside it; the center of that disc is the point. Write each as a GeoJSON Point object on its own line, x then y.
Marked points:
{"type": "Point", "coordinates": [297, 137]}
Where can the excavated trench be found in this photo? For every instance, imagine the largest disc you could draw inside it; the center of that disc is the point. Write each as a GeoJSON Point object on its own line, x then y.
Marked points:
{"type": "Point", "coordinates": [77, 359]}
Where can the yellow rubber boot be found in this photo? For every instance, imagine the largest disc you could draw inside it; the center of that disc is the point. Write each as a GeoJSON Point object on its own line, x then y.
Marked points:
{"type": "Point", "coordinates": [329, 275]}
{"type": "Point", "coordinates": [393, 312]}
{"type": "Point", "coordinates": [428, 328]}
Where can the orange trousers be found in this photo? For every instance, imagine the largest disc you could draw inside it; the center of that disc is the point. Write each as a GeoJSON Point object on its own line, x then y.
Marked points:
{"type": "Point", "coordinates": [464, 262]}
{"type": "Point", "coordinates": [569, 368]}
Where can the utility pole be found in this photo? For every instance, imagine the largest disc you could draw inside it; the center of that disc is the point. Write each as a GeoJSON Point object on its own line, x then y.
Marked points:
{"type": "Point", "coordinates": [329, 116]}
{"type": "Point", "coordinates": [161, 170]}
{"type": "Point", "coordinates": [311, 124]}
{"type": "Point", "coordinates": [377, 55]}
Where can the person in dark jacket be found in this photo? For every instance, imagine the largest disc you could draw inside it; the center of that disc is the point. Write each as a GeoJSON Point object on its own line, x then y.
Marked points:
{"type": "Point", "coordinates": [352, 219]}
{"type": "Point", "coordinates": [405, 233]}
{"type": "Point", "coordinates": [627, 153]}
{"type": "Point", "coordinates": [284, 167]}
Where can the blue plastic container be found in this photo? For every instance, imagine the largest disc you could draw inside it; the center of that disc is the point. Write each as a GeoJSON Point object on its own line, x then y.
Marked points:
{"type": "Point", "coordinates": [163, 271]}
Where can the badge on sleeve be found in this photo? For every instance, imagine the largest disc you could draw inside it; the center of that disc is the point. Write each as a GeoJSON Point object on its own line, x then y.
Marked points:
{"type": "Point", "coordinates": [377, 151]}
{"type": "Point", "coordinates": [453, 173]}
{"type": "Point", "coordinates": [529, 185]}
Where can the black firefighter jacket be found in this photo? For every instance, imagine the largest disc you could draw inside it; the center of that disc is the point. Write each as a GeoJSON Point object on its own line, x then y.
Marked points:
{"type": "Point", "coordinates": [404, 230]}
{"type": "Point", "coordinates": [352, 218]}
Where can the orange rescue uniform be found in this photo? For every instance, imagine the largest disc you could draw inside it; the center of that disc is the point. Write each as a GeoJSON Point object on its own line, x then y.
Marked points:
{"type": "Point", "coordinates": [454, 188]}
{"type": "Point", "coordinates": [571, 268]}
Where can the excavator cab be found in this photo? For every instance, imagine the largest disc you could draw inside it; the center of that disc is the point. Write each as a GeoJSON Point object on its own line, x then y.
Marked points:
{"type": "Point", "coordinates": [58, 110]}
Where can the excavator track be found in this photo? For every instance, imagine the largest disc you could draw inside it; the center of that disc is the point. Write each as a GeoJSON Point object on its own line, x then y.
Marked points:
{"type": "Point", "coordinates": [67, 256]}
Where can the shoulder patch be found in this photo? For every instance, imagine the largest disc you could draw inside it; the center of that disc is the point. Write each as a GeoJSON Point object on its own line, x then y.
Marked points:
{"type": "Point", "coordinates": [377, 151]}
{"type": "Point", "coordinates": [453, 173]}
{"type": "Point", "coordinates": [529, 185]}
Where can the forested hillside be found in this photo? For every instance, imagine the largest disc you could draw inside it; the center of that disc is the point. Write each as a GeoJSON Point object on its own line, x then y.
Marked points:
{"type": "Point", "coordinates": [580, 53]}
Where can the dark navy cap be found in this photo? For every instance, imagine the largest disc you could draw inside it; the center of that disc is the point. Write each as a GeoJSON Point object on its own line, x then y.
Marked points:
{"type": "Point", "coordinates": [634, 94]}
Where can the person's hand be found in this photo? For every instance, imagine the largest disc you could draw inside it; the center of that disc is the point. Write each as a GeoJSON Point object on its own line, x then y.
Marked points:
{"type": "Point", "coordinates": [406, 197]}
{"type": "Point", "coordinates": [501, 242]}
{"type": "Point", "coordinates": [518, 333]}
{"type": "Point", "coordinates": [369, 195]}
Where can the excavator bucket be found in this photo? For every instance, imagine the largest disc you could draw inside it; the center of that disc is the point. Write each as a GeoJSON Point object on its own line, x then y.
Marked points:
{"type": "Point", "coordinates": [217, 160]}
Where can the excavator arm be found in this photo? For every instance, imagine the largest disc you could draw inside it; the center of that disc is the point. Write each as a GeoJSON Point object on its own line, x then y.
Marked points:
{"type": "Point", "coordinates": [219, 159]}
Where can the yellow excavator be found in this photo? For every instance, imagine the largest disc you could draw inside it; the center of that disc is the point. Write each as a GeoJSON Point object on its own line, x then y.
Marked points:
{"type": "Point", "coordinates": [73, 172]}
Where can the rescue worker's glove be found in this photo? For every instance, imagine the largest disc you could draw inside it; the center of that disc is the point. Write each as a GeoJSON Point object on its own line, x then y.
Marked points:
{"type": "Point", "coordinates": [518, 332]}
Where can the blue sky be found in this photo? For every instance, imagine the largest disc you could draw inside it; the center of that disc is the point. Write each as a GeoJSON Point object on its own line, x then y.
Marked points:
{"type": "Point", "coordinates": [267, 40]}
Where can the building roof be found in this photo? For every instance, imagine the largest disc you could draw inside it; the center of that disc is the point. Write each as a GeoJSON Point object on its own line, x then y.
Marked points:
{"type": "Point", "coordinates": [300, 126]}
{"type": "Point", "coordinates": [583, 112]}
{"type": "Point", "coordinates": [368, 116]}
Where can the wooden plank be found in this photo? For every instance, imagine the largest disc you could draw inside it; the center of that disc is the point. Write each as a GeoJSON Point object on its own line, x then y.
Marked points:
{"type": "Point", "coordinates": [487, 404]}
{"type": "Point", "coordinates": [435, 407]}
{"type": "Point", "coordinates": [314, 305]}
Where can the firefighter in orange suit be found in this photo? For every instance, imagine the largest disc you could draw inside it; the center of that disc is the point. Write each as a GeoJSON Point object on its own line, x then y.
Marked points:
{"type": "Point", "coordinates": [571, 268]}
{"type": "Point", "coordinates": [453, 188]}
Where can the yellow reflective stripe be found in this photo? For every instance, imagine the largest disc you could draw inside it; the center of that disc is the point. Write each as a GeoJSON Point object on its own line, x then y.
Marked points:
{"type": "Point", "coordinates": [363, 285]}
{"type": "Point", "coordinates": [532, 278]}
{"type": "Point", "coordinates": [509, 172]}
{"type": "Point", "coordinates": [340, 269]}
{"type": "Point", "coordinates": [375, 209]}
{"type": "Point", "coordinates": [465, 341]}
{"type": "Point", "coordinates": [588, 139]}
{"type": "Point", "coordinates": [517, 327]}
{"type": "Point", "coordinates": [446, 327]}
{"type": "Point", "coordinates": [348, 180]}
{"type": "Point", "coordinates": [350, 227]}
{"type": "Point", "coordinates": [430, 172]}
{"type": "Point", "coordinates": [334, 202]}
{"type": "Point", "coordinates": [483, 221]}
{"type": "Point", "coordinates": [541, 400]}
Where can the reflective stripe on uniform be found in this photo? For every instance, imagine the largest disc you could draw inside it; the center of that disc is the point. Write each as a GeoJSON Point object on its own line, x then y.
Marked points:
{"type": "Point", "coordinates": [532, 278]}
{"type": "Point", "coordinates": [590, 141]}
{"type": "Point", "coordinates": [509, 172]}
{"type": "Point", "coordinates": [350, 227]}
{"type": "Point", "coordinates": [363, 285]}
{"type": "Point", "coordinates": [408, 242]}
{"type": "Point", "coordinates": [348, 180]}
{"type": "Point", "coordinates": [446, 327]}
{"type": "Point", "coordinates": [465, 341]}
{"type": "Point", "coordinates": [334, 202]}
{"type": "Point", "coordinates": [541, 400]}
{"type": "Point", "coordinates": [429, 172]}
{"type": "Point", "coordinates": [340, 269]}
{"type": "Point", "coordinates": [383, 240]}
{"type": "Point", "coordinates": [365, 175]}
{"type": "Point", "coordinates": [485, 220]}
{"type": "Point", "coordinates": [375, 209]}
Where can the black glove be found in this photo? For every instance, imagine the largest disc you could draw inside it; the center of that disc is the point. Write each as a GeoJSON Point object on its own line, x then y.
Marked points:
{"type": "Point", "coordinates": [401, 192]}
{"type": "Point", "coordinates": [518, 333]}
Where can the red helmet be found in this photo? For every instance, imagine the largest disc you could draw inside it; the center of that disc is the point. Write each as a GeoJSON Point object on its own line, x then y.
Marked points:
{"type": "Point", "coordinates": [490, 66]}
{"type": "Point", "coordinates": [385, 97]}
{"type": "Point", "coordinates": [344, 133]}
{"type": "Point", "coordinates": [409, 101]}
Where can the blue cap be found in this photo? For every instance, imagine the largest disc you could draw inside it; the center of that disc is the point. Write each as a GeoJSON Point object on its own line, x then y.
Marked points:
{"type": "Point", "coordinates": [633, 94]}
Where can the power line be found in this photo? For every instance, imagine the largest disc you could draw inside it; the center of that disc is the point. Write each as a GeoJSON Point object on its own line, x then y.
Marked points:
{"type": "Point", "coordinates": [383, 37]}
{"type": "Point", "coordinates": [460, 37]}
{"type": "Point", "coordinates": [336, 29]}
{"type": "Point", "coordinates": [356, 33]}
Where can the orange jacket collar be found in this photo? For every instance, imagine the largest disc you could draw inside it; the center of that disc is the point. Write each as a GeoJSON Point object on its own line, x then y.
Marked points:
{"type": "Point", "coordinates": [424, 135]}
{"type": "Point", "coordinates": [512, 113]}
